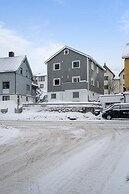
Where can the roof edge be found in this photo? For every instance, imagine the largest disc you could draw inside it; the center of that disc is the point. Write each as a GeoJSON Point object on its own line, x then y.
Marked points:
{"type": "Point", "coordinates": [79, 52]}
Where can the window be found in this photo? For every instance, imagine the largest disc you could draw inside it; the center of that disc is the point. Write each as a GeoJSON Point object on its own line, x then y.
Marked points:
{"type": "Point", "coordinates": [28, 87]}
{"type": "Point", "coordinates": [116, 107]}
{"type": "Point", "coordinates": [75, 79]}
{"type": "Point", "coordinates": [97, 84]}
{"type": "Point", "coordinates": [123, 76]}
{"type": "Point", "coordinates": [66, 52]}
{"type": "Point", "coordinates": [105, 77]}
{"type": "Point", "coordinates": [53, 96]}
{"type": "Point", "coordinates": [6, 85]}
{"type": "Point", "coordinates": [41, 78]}
{"type": "Point", "coordinates": [27, 99]}
{"type": "Point", "coordinates": [92, 81]}
{"type": "Point", "coordinates": [75, 94]}
{"type": "Point", "coordinates": [21, 70]}
{"type": "Point", "coordinates": [41, 85]}
{"type": "Point", "coordinates": [56, 81]}
{"type": "Point", "coordinates": [5, 98]}
{"type": "Point", "coordinates": [106, 87]}
{"type": "Point", "coordinates": [76, 64]}
{"type": "Point", "coordinates": [92, 65]}
{"type": "Point", "coordinates": [126, 106]}
{"type": "Point", "coordinates": [56, 66]}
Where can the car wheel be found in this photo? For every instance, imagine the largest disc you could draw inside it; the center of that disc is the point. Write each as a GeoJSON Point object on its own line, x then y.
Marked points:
{"type": "Point", "coordinates": [109, 117]}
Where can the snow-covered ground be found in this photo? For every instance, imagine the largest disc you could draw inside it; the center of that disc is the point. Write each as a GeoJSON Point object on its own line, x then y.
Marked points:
{"type": "Point", "coordinates": [46, 152]}
{"type": "Point", "coordinates": [37, 113]}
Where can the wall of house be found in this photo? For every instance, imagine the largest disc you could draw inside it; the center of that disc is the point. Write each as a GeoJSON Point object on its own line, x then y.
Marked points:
{"type": "Point", "coordinates": [24, 78]}
{"type": "Point", "coordinates": [97, 76]}
{"type": "Point", "coordinates": [41, 80]}
{"type": "Point", "coordinates": [127, 74]}
{"type": "Point", "coordinates": [66, 73]}
{"type": "Point", "coordinates": [122, 82]}
{"type": "Point", "coordinates": [8, 77]}
{"type": "Point", "coordinates": [108, 82]}
{"type": "Point", "coordinates": [67, 96]}
{"type": "Point", "coordinates": [20, 85]}
{"type": "Point", "coordinates": [116, 86]}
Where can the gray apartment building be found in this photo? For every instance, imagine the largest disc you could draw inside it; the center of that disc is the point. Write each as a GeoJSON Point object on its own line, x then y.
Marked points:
{"type": "Point", "coordinates": [73, 76]}
{"type": "Point", "coordinates": [16, 80]}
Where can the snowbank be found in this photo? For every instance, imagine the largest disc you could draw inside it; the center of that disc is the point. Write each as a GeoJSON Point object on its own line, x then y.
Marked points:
{"type": "Point", "coordinates": [7, 133]}
{"type": "Point", "coordinates": [37, 113]}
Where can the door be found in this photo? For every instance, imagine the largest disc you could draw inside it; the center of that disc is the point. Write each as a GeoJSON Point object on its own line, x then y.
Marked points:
{"type": "Point", "coordinates": [116, 111]}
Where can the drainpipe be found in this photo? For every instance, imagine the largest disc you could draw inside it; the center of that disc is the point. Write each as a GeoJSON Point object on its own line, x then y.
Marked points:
{"type": "Point", "coordinates": [88, 76]}
{"type": "Point", "coordinates": [15, 82]}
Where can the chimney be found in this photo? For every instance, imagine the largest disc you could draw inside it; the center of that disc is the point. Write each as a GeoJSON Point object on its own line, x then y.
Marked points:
{"type": "Point", "coordinates": [11, 54]}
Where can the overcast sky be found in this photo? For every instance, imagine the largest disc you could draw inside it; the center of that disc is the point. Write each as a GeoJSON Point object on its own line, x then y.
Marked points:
{"type": "Point", "coordinates": [39, 28]}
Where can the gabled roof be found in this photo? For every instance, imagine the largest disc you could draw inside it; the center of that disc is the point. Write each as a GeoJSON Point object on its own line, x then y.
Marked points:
{"type": "Point", "coordinates": [9, 64]}
{"type": "Point", "coordinates": [107, 68]}
{"type": "Point", "coordinates": [121, 72]}
{"type": "Point", "coordinates": [81, 53]}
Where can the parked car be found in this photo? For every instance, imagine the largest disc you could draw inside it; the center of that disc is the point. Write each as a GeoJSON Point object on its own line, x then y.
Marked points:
{"type": "Point", "coordinates": [118, 110]}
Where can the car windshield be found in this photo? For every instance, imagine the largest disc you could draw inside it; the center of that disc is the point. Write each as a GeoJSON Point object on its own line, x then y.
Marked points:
{"type": "Point", "coordinates": [109, 107]}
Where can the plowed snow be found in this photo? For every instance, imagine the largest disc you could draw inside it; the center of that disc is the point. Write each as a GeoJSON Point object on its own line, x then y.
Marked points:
{"type": "Point", "coordinates": [75, 157]}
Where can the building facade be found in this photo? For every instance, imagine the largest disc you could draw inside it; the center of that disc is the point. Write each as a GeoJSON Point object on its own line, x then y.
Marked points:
{"type": "Point", "coordinates": [16, 80]}
{"type": "Point", "coordinates": [41, 81]}
{"type": "Point", "coordinates": [122, 81]}
{"type": "Point", "coordinates": [125, 56]}
{"type": "Point", "coordinates": [73, 76]}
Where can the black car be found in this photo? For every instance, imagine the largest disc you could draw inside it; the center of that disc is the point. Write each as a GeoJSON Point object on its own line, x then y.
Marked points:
{"type": "Point", "coordinates": [119, 110]}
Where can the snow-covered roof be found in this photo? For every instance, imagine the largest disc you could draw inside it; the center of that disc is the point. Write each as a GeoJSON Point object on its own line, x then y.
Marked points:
{"type": "Point", "coordinates": [125, 54]}
{"type": "Point", "coordinates": [121, 72]}
{"type": "Point", "coordinates": [81, 53]}
{"type": "Point", "coordinates": [8, 64]}
{"type": "Point", "coordinates": [107, 68]}
{"type": "Point", "coordinates": [40, 74]}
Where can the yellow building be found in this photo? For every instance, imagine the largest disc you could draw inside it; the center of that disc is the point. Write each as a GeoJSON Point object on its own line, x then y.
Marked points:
{"type": "Point", "coordinates": [125, 56]}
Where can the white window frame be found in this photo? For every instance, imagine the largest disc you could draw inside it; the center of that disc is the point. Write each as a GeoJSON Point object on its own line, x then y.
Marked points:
{"type": "Point", "coordinates": [73, 64]}
{"type": "Point", "coordinates": [54, 82]}
{"type": "Point", "coordinates": [54, 66]}
{"type": "Point", "coordinates": [76, 77]}
{"type": "Point", "coordinates": [92, 65]}
{"type": "Point", "coordinates": [66, 51]}
{"type": "Point", "coordinates": [92, 82]}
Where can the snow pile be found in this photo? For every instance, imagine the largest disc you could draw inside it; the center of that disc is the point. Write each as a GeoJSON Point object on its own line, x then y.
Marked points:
{"type": "Point", "coordinates": [7, 133]}
{"type": "Point", "coordinates": [37, 113]}
{"type": "Point", "coordinates": [8, 106]}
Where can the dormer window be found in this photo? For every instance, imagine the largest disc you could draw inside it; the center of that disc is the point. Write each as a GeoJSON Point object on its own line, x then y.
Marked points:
{"type": "Point", "coordinates": [66, 51]}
